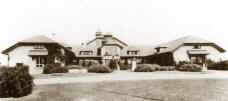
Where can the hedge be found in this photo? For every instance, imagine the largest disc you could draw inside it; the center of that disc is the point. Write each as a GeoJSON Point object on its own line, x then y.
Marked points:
{"type": "Point", "coordinates": [152, 68]}
{"type": "Point", "coordinates": [180, 63]}
{"type": "Point", "coordinates": [100, 69]}
{"type": "Point", "coordinates": [54, 68]}
{"type": "Point", "coordinates": [190, 68]}
{"type": "Point", "coordinates": [15, 81]}
{"type": "Point", "coordinates": [221, 65]}
{"type": "Point", "coordinates": [125, 67]}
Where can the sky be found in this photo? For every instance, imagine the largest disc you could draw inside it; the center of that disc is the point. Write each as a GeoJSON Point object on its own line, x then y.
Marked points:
{"type": "Point", "coordinates": [136, 22]}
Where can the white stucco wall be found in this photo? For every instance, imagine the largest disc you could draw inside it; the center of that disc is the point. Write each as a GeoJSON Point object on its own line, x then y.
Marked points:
{"type": "Point", "coordinates": [20, 55]}
{"type": "Point", "coordinates": [181, 54]}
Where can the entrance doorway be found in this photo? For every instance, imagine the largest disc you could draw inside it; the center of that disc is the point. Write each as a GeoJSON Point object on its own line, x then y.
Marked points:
{"type": "Point", "coordinates": [198, 59]}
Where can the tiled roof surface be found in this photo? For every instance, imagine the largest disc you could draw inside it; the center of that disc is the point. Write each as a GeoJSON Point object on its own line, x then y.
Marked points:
{"type": "Point", "coordinates": [77, 48]}
{"type": "Point", "coordinates": [143, 50]}
{"type": "Point", "coordinates": [64, 44]}
{"type": "Point", "coordinates": [172, 45]}
{"type": "Point", "coordinates": [38, 39]}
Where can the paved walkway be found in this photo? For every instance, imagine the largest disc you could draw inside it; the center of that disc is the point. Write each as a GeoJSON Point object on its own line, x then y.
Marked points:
{"type": "Point", "coordinates": [124, 75]}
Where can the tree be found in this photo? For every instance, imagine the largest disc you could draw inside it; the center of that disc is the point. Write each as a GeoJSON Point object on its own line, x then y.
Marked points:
{"type": "Point", "coordinates": [55, 52]}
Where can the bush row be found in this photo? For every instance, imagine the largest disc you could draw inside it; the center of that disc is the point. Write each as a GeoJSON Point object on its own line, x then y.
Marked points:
{"type": "Point", "coordinates": [221, 65]}
{"type": "Point", "coordinates": [54, 68]}
{"type": "Point", "coordinates": [87, 63]}
{"type": "Point", "coordinates": [152, 68]}
{"type": "Point", "coordinates": [100, 69]}
{"type": "Point", "coordinates": [15, 81]}
{"type": "Point", "coordinates": [190, 68]}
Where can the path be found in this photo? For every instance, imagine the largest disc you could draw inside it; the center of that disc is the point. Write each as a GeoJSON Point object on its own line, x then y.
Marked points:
{"type": "Point", "coordinates": [123, 75]}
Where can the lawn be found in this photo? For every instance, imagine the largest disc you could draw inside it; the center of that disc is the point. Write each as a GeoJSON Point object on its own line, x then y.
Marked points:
{"type": "Point", "coordinates": [141, 90]}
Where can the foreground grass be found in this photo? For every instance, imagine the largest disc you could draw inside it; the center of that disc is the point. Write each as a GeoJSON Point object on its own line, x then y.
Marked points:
{"type": "Point", "coordinates": [144, 90]}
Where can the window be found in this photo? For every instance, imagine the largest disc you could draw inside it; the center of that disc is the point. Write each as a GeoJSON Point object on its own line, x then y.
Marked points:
{"type": "Point", "coordinates": [197, 46]}
{"type": "Point", "coordinates": [132, 52]}
{"type": "Point", "coordinates": [38, 46]}
{"type": "Point", "coordinates": [86, 53]}
{"type": "Point", "coordinates": [111, 50]}
{"type": "Point", "coordinates": [40, 61]}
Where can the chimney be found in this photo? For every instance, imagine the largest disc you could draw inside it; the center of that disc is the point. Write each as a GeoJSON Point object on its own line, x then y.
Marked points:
{"type": "Point", "coordinates": [98, 34]}
{"type": "Point", "coordinates": [107, 37]}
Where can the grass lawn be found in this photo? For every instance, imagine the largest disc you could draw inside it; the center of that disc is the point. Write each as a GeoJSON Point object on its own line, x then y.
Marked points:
{"type": "Point", "coordinates": [61, 75]}
{"type": "Point", "coordinates": [143, 90]}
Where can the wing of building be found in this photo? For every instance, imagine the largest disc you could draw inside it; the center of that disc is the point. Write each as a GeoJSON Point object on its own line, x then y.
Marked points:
{"type": "Point", "coordinates": [32, 51]}
{"type": "Point", "coordinates": [105, 47]}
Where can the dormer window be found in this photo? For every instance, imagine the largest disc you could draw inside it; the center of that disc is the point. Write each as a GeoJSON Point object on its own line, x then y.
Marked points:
{"type": "Point", "coordinates": [159, 49]}
{"type": "Point", "coordinates": [38, 46]}
{"type": "Point", "coordinates": [86, 53]}
{"type": "Point", "coordinates": [132, 52]}
{"type": "Point", "coordinates": [197, 47]}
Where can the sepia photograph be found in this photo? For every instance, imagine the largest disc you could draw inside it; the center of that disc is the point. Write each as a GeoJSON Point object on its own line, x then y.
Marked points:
{"type": "Point", "coordinates": [113, 50]}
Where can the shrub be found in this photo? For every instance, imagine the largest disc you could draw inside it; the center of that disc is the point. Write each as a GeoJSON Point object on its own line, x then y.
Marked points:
{"type": "Point", "coordinates": [15, 81]}
{"type": "Point", "coordinates": [145, 68]}
{"type": "Point", "coordinates": [74, 67]}
{"type": "Point", "coordinates": [190, 68]}
{"type": "Point", "coordinates": [152, 68]}
{"type": "Point", "coordinates": [180, 63]}
{"type": "Point", "coordinates": [100, 69]}
{"type": "Point", "coordinates": [113, 64]}
{"type": "Point", "coordinates": [171, 68]}
{"type": "Point", "coordinates": [163, 69]}
{"type": "Point", "coordinates": [54, 68]}
{"type": "Point", "coordinates": [48, 68]}
{"type": "Point", "coordinates": [221, 65]}
{"type": "Point", "coordinates": [125, 67]}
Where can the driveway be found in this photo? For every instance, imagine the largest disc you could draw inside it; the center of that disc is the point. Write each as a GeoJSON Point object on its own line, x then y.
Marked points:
{"type": "Point", "coordinates": [126, 75]}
